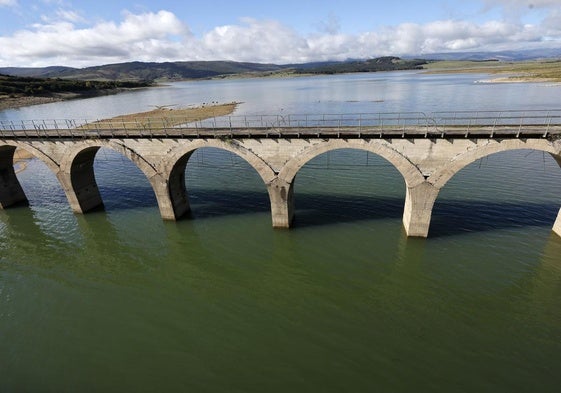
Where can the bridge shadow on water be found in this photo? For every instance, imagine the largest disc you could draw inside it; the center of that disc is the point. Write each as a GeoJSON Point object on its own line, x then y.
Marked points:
{"type": "Point", "coordinates": [317, 209]}
{"type": "Point", "coordinates": [454, 217]}
{"type": "Point", "coordinates": [450, 217]}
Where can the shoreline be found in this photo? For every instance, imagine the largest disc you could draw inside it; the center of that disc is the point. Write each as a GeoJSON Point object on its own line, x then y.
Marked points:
{"type": "Point", "coordinates": [7, 102]}
{"type": "Point", "coordinates": [519, 79]}
{"type": "Point", "coordinates": [20, 102]}
{"type": "Point", "coordinates": [499, 72]}
{"type": "Point", "coordinates": [516, 76]}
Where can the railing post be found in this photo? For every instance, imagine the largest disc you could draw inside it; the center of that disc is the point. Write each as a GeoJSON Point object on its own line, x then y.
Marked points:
{"type": "Point", "coordinates": [548, 125]}
{"type": "Point", "coordinates": [23, 128]}
{"type": "Point", "coordinates": [56, 127]}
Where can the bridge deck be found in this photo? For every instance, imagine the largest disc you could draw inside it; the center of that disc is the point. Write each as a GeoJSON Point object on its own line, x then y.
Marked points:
{"type": "Point", "coordinates": [465, 124]}
{"type": "Point", "coordinates": [411, 132]}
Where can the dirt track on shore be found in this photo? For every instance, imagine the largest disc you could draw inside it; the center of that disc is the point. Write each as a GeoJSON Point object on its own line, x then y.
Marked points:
{"type": "Point", "coordinates": [169, 116]}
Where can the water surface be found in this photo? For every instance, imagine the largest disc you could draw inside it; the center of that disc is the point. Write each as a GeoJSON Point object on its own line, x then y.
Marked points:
{"type": "Point", "coordinates": [119, 300]}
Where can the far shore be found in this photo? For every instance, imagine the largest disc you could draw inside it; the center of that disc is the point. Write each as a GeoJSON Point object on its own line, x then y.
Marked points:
{"type": "Point", "coordinates": [19, 102]}
{"type": "Point", "coordinates": [546, 71]}
{"type": "Point", "coordinates": [519, 79]}
{"type": "Point", "coordinates": [542, 71]}
{"type": "Point", "coordinates": [7, 102]}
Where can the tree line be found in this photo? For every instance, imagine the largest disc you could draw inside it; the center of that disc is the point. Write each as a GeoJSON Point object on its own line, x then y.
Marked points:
{"type": "Point", "coordinates": [28, 86]}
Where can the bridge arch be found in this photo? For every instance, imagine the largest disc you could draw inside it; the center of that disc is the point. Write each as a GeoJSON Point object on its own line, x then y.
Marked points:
{"type": "Point", "coordinates": [176, 164]}
{"type": "Point", "coordinates": [439, 179]}
{"type": "Point", "coordinates": [456, 164]}
{"type": "Point", "coordinates": [77, 172]}
{"type": "Point", "coordinates": [11, 192]}
{"type": "Point", "coordinates": [411, 174]}
{"type": "Point", "coordinates": [35, 152]}
{"type": "Point", "coordinates": [360, 186]}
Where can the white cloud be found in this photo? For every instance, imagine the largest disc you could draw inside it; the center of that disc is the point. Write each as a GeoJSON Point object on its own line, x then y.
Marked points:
{"type": "Point", "coordinates": [262, 41]}
{"type": "Point", "coordinates": [70, 16]}
{"type": "Point", "coordinates": [69, 40]}
{"type": "Point", "coordinates": [144, 36]}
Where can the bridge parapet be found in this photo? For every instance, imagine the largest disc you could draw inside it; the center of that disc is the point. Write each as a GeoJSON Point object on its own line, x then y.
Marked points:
{"type": "Point", "coordinates": [489, 124]}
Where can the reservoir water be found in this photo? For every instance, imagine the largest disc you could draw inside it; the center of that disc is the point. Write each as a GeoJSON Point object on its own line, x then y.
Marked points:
{"type": "Point", "coordinates": [120, 301]}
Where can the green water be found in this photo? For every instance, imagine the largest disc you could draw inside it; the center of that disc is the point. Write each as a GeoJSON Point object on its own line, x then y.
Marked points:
{"type": "Point", "coordinates": [120, 301]}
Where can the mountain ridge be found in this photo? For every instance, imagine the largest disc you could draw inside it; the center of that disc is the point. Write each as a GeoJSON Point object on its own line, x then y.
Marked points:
{"type": "Point", "coordinates": [138, 71]}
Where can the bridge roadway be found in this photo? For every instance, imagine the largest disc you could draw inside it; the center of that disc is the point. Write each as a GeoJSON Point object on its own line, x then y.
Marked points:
{"type": "Point", "coordinates": [427, 151]}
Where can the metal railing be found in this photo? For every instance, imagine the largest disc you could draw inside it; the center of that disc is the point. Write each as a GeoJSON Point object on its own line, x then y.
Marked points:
{"type": "Point", "coordinates": [437, 123]}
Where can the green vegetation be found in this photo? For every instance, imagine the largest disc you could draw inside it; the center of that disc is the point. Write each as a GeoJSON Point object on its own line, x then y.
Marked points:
{"type": "Point", "coordinates": [388, 63]}
{"type": "Point", "coordinates": [141, 71]}
{"type": "Point", "coordinates": [14, 86]}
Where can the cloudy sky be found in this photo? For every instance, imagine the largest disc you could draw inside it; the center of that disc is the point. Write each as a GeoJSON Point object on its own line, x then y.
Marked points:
{"type": "Point", "coordinates": [83, 33]}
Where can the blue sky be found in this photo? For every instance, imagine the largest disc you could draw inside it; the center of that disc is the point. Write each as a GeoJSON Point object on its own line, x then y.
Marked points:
{"type": "Point", "coordinates": [83, 33]}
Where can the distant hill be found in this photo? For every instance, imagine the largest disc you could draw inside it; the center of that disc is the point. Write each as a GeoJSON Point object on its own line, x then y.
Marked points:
{"type": "Point", "coordinates": [17, 86]}
{"type": "Point", "coordinates": [170, 71]}
{"type": "Point", "coordinates": [186, 70]}
{"type": "Point", "coordinates": [520, 55]}
{"type": "Point", "coordinates": [44, 72]}
{"type": "Point", "coordinates": [140, 71]}
{"type": "Point", "coordinates": [387, 63]}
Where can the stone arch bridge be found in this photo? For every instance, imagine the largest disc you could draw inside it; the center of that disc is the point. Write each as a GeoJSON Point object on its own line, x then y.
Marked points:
{"type": "Point", "coordinates": [427, 151]}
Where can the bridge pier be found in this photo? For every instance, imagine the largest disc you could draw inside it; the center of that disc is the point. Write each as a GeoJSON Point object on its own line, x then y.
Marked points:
{"type": "Point", "coordinates": [281, 195]}
{"type": "Point", "coordinates": [79, 185]}
{"type": "Point", "coordinates": [172, 195]}
{"type": "Point", "coordinates": [170, 209]}
{"type": "Point", "coordinates": [557, 225]}
{"type": "Point", "coordinates": [11, 192]}
{"type": "Point", "coordinates": [419, 201]}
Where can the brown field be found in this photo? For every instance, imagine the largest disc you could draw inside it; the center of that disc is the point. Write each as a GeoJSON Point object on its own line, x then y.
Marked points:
{"type": "Point", "coordinates": [526, 71]}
